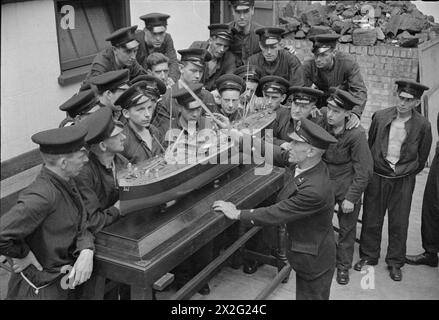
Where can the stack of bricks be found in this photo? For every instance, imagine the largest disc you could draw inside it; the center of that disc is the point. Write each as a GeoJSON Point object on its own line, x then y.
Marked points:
{"type": "Point", "coordinates": [380, 66]}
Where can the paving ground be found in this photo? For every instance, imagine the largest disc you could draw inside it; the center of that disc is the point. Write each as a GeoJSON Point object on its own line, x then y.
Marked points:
{"type": "Point", "coordinates": [419, 282]}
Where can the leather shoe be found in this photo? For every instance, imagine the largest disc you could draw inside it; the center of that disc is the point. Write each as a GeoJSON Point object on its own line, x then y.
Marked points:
{"type": "Point", "coordinates": [360, 264]}
{"type": "Point", "coordinates": [205, 290]}
{"type": "Point", "coordinates": [342, 276]}
{"type": "Point", "coordinates": [395, 273]}
{"type": "Point", "coordinates": [250, 267]}
{"type": "Point", "coordinates": [426, 258]}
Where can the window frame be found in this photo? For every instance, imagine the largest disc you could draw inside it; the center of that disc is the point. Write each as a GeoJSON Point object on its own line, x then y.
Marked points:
{"type": "Point", "coordinates": [75, 71]}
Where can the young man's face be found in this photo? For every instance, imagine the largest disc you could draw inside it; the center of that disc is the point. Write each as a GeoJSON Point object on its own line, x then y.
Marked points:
{"type": "Point", "coordinates": [273, 99]}
{"type": "Point", "coordinates": [190, 113]}
{"type": "Point", "coordinates": [270, 52]}
{"type": "Point", "coordinates": [141, 115]}
{"type": "Point", "coordinates": [251, 87]}
{"type": "Point", "coordinates": [301, 110]}
{"type": "Point", "coordinates": [156, 36]}
{"type": "Point", "coordinates": [191, 73]}
{"type": "Point", "coordinates": [230, 101]}
{"type": "Point", "coordinates": [218, 47]}
{"type": "Point", "coordinates": [115, 144]}
{"type": "Point", "coordinates": [406, 104]}
{"type": "Point", "coordinates": [161, 71]}
{"type": "Point", "coordinates": [336, 116]}
{"type": "Point", "coordinates": [324, 60]}
{"type": "Point", "coordinates": [124, 56]}
{"type": "Point", "coordinates": [242, 17]}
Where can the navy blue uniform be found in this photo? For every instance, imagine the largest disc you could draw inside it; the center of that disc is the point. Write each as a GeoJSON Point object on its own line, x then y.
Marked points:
{"type": "Point", "coordinates": [49, 219]}
{"type": "Point", "coordinates": [306, 205]}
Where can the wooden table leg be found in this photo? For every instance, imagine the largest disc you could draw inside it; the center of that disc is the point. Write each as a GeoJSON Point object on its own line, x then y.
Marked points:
{"type": "Point", "coordinates": [141, 293]}
{"type": "Point", "coordinates": [282, 251]}
{"type": "Point", "coordinates": [99, 290]}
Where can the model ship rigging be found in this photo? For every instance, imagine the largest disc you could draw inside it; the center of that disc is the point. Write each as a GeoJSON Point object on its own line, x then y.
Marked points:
{"type": "Point", "coordinates": [191, 161]}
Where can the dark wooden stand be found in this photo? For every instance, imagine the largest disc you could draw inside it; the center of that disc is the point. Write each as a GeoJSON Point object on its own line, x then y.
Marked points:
{"type": "Point", "coordinates": [142, 247]}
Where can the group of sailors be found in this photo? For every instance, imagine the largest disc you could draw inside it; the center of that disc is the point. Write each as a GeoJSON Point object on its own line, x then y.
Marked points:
{"type": "Point", "coordinates": [137, 90]}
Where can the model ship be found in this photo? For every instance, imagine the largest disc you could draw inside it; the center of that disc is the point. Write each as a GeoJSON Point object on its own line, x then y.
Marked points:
{"type": "Point", "coordinates": [185, 167]}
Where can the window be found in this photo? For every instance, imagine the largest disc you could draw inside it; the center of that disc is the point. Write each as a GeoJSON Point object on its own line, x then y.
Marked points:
{"type": "Point", "coordinates": [94, 20]}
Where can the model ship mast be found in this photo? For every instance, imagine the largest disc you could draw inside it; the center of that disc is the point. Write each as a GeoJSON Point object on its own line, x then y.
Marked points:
{"type": "Point", "coordinates": [168, 177]}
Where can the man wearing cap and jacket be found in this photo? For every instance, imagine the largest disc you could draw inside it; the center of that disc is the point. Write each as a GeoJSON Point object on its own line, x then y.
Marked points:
{"type": "Point", "coordinates": [121, 55]}
{"type": "Point", "coordinates": [79, 106]}
{"type": "Point", "coordinates": [400, 141]}
{"type": "Point", "coordinates": [251, 74]}
{"type": "Point", "coordinates": [160, 112]}
{"type": "Point", "coordinates": [273, 89]}
{"type": "Point", "coordinates": [306, 205]}
{"type": "Point", "coordinates": [223, 61]}
{"type": "Point", "coordinates": [303, 103]}
{"type": "Point", "coordinates": [331, 68]}
{"type": "Point", "coordinates": [192, 66]}
{"type": "Point", "coordinates": [245, 42]}
{"type": "Point", "coordinates": [350, 167]}
{"type": "Point", "coordinates": [430, 217]}
{"type": "Point", "coordinates": [45, 233]}
{"type": "Point", "coordinates": [97, 181]}
{"type": "Point", "coordinates": [109, 86]}
{"type": "Point", "coordinates": [143, 140]}
{"type": "Point", "coordinates": [154, 38]}
{"type": "Point", "coordinates": [274, 60]}
{"type": "Point", "coordinates": [230, 88]}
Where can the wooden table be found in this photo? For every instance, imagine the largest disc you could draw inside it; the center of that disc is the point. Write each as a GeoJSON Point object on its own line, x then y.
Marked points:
{"type": "Point", "coordinates": [140, 248]}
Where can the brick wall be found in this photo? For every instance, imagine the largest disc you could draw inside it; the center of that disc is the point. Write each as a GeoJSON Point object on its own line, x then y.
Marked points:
{"type": "Point", "coordinates": [380, 66]}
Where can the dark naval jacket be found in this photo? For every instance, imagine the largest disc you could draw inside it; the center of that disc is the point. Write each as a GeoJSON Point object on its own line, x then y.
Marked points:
{"type": "Point", "coordinates": [245, 45]}
{"type": "Point", "coordinates": [225, 65]}
{"type": "Point", "coordinates": [98, 187]}
{"type": "Point", "coordinates": [286, 65]}
{"type": "Point", "coordinates": [306, 205]}
{"type": "Point", "coordinates": [414, 150]}
{"type": "Point", "coordinates": [344, 74]}
{"type": "Point", "coordinates": [136, 150]}
{"type": "Point", "coordinates": [350, 163]}
{"type": "Point", "coordinates": [105, 61]}
{"type": "Point", "coordinates": [49, 219]}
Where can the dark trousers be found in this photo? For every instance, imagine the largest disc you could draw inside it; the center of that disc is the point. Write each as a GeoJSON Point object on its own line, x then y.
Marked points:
{"type": "Point", "coordinates": [430, 208]}
{"type": "Point", "coordinates": [395, 196]}
{"type": "Point", "coordinates": [315, 289]}
{"type": "Point", "coordinates": [346, 237]}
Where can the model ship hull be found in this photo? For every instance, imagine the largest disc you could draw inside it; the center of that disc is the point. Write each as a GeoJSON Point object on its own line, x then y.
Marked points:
{"type": "Point", "coordinates": [173, 181]}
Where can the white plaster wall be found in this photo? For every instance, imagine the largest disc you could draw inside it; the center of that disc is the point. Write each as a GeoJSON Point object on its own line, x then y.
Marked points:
{"type": "Point", "coordinates": [30, 94]}
{"type": "Point", "coordinates": [188, 22]}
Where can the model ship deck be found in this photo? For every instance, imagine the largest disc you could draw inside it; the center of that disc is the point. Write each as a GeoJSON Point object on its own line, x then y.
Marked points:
{"type": "Point", "coordinates": [190, 164]}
